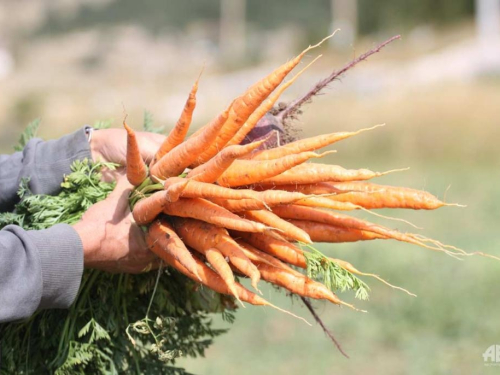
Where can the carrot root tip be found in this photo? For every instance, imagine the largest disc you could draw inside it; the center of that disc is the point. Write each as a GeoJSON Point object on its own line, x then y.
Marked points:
{"type": "Point", "coordinates": [389, 217]}
{"type": "Point", "coordinates": [394, 171]}
{"type": "Point", "coordinates": [320, 43]}
{"type": "Point", "coordinates": [352, 307]}
{"type": "Point", "coordinates": [454, 205]}
{"type": "Point", "coordinates": [289, 313]}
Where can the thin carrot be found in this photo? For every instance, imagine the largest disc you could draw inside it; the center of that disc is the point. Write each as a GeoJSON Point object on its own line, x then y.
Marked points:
{"type": "Point", "coordinates": [265, 107]}
{"type": "Point", "coordinates": [204, 210]}
{"type": "Point", "coordinates": [178, 133]}
{"type": "Point", "coordinates": [212, 280]}
{"type": "Point", "coordinates": [273, 220]}
{"type": "Point", "coordinates": [202, 236]}
{"type": "Point", "coordinates": [215, 282]}
{"type": "Point", "coordinates": [137, 171]}
{"type": "Point", "coordinates": [211, 170]}
{"type": "Point", "coordinates": [325, 202]}
{"type": "Point", "coordinates": [181, 156]}
{"type": "Point", "coordinates": [312, 173]}
{"type": "Point", "coordinates": [174, 188]}
{"type": "Point", "coordinates": [322, 232]}
{"type": "Point", "coordinates": [247, 103]}
{"type": "Point", "coordinates": [161, 238]}
{"type": "Point", "coordinates": [238, 205]}
{"type": "Point", "coordinates": [301, 285]}
{"type": "Point", "coordinates": [147, 209]}
{"type": "Point", "coordinates": [258, 256]}
{"type": "Point", "coordinates": [266, 200]}
{"type": "Point", "coordinates": [246, 172]}
{"type": "Point", "coordinates": [318, 188]}
{"type": "Point", "coordinates": [218, 262]}
{"type": "Point", "coordinates": [281, 249]}
{"type": "Point", "coordinates": [337, 219]}
{"type": "Point", "coordinates": [196, 189]}
{"type": "Point", "coordinates": [307, 144]}
{"type": "Point", "coordinates": [372, 196]}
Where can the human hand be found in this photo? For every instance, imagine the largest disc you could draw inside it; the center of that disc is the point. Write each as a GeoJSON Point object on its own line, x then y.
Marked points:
{"type": "Point", "coordinates": [110, 145]}
{"type": "Point", "coordinates": [111, 240]}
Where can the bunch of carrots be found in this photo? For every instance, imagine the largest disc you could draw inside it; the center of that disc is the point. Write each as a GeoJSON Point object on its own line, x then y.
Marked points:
{"type": "Point", "coordinates": [214, 208]}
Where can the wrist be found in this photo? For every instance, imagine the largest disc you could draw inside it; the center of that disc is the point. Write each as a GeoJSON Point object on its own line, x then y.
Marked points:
{"type": "Point", "coordinates": [90, 239]}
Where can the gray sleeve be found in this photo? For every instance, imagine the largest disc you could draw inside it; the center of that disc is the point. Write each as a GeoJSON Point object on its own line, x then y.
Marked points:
{"type": "Point", "coordinates": [38, 270]}
{"type": "Point", "coordinates": [45, 163]}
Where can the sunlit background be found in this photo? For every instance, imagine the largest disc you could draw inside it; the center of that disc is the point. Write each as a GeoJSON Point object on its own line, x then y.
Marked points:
{"type": "Point", "coordinates": [437, 89]}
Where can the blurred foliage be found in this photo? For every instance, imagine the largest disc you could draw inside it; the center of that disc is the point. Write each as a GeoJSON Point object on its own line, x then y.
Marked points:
{"type": "Point", "coordinates": [403, 15]}
{"type": "Point", "coordinates": [314, 16]}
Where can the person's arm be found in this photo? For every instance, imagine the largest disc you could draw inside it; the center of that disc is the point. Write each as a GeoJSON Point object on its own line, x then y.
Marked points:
{"type": "Point", "coordinates": [44, 163]}
{"type": "Point", "coordinates": [38, 269]}
{"type": "Point", "coordinates": [42, 269]}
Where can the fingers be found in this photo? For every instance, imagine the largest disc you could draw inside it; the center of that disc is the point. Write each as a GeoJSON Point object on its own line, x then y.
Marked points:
{"type": "Point", "coordinates": [109, 175]}
{"type": "Point", "coordinates": [122, 185]}
{"type": "Point", "coordinates": [149, 144]}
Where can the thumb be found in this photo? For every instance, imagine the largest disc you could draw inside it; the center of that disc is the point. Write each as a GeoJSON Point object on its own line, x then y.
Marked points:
{"type": "Point", "coordinates": [122, 186]}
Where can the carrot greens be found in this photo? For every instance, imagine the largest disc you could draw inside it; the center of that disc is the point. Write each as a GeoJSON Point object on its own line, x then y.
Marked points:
{"type": "Point", "coordinates": [90, 336]}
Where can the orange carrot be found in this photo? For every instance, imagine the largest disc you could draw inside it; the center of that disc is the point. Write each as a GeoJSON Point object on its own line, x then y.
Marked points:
{"type": "Point", "coordinates": [370, 196]}
{"type": "Point", "coordinates": [213, 280]}
{"type": "Point", "coordinates": [321, 232]}
{"type": "Point", "coordinates": [246, 172]}
{"type": "Point", "coordinates": [265, 107]}
{"type": "Point", "coordinates": [266, 199]}
{"type": "Point", "coordinates": [181, 156]}
{"type": "Point", "coordinates": [202, 236]}
{"type": "Point", "coordinates": [273, 220]}
{"type": "Point", "coordinates": [211, 170]}
{"type": "Point", "coordinates": [218, 262]}
{"type": "Point", "coordinates": [196, 189]}
{"type": "Point", "coordinates": [312, 173]}
{"type": "Point", "coordinates": [258, 256]}
{"type": "Point", "coordinates": [201, 209]}
{"type": "Point", "coordinates": [247, 103]}
{"type": "Point", "coordinates": [178, 133]}
{"type": "Point", "coordinates": [174, 188]}
{"type": "Point", "coordinates": [210, 279]}
{"type": "Point", "coordinates": [137, 170]}
{"type": "Point", "coordinates": [301, 285]}
{"type": "Point", "coordinates": [325, 202]}
{"type": "Point", "coordinates": [337, 219]}
{"type": "Point", "coordinates": [280, 249]}
{"type": "Point", "coordinates": [307, 144]}
{"type": "Point", "coordinates": [318, 188]}
{"type": "Point", "coordinates": [161, 238]}
{"type": "Point", "coordinates": [238, 205]}
{"type": "Point", "coordinates": [147, 209]}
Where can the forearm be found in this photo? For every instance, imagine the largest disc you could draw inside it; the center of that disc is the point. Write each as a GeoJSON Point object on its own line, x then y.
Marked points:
{"type": "Point", "coordinates": [38, 270]}
{"type": "Point", "coordinates": [44, 163]}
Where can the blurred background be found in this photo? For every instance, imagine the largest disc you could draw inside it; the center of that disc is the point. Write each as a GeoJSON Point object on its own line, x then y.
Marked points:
{"type": "Point", "coordinates": [437, 89]}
